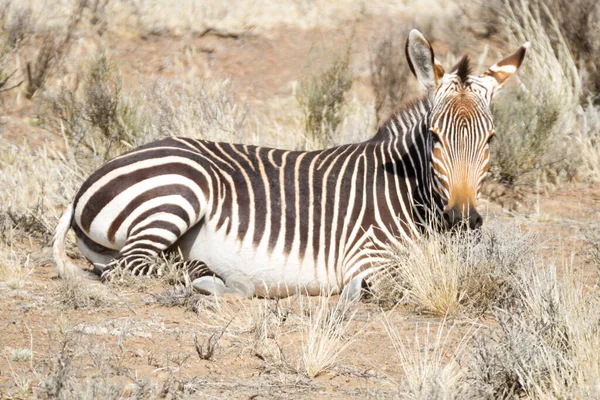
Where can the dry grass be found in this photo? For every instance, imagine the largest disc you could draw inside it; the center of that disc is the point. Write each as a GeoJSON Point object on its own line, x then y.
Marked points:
{"type": "Point", "coordinates": [431, 363]}
{"type": "Point", "coordinates": [538, 331]}
{"type": "Point", "coordinates": [466, 272]}
{"type": "Point", "coordinates": [204, 111]}
{"type": "Point", "coordinates": [534, 120]}
{"type": "Point", "coordinates": [544, 344]}
{"type": "Point", "coordinates": [15, 267]}
{"type": "Point", "coordinates": [95, 117]}
{"type": "Point", "coordinates": [326, 334]}
{"type": "Point", "coordinates": [76, 294]}
{"type": "Point", "coordinates": [55, 44]}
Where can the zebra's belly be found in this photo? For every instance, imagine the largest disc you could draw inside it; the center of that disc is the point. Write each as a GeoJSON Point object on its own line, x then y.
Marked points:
{"type": "Point", "coordinates": [272, 273]}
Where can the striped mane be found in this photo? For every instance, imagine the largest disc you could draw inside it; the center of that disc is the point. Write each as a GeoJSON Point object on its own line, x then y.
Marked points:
{"type": "Point", "coordinates": [409, 112]}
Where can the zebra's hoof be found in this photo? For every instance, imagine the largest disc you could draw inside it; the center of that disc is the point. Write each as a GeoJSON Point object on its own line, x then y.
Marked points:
{"type": "Point", "coordinates": [209, 285]}
{"type": "Point", "coordinates": [352, 291]}
{"type": "Point", "coordinates": [238, 284]}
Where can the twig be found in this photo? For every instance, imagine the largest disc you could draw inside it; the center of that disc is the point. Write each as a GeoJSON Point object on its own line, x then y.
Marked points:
{"type": "Point", "coordinates": [224, 33]}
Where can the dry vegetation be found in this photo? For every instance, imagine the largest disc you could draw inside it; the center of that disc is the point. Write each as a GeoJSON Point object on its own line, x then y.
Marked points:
{"type": "Point", "coordinates": [508, 312]}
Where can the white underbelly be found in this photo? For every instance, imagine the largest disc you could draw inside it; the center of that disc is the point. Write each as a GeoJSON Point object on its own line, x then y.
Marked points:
{"type": "Point", "coordinates": [271, 274]}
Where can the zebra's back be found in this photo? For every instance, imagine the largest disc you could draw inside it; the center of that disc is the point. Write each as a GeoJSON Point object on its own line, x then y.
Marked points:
{"type": "Point", "coordinates": [287, 217]}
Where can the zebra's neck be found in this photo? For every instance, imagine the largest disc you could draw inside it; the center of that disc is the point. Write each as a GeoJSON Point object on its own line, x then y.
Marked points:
{"type": "Point", "coordinates": [408, 132]}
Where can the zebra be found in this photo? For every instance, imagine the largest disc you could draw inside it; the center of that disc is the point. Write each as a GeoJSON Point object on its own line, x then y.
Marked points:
{"type": "Point", "coordinates": [270, 222]}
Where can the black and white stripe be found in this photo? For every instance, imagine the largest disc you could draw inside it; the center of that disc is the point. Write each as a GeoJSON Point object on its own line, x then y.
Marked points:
{"type": "Point", "coordinates": [288, 220]}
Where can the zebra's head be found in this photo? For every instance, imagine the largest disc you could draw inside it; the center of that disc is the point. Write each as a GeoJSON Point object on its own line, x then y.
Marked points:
{"type": "Point", "coordinates": [461, 125]}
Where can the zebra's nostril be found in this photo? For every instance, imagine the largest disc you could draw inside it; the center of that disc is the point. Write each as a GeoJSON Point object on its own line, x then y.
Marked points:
{"type": "Point", "coordinates": [449, 218]}
{"type": "Point", "coordinates": [475, 220]}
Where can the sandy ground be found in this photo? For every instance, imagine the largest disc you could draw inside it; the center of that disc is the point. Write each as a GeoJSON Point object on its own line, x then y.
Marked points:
{"type": "Point", "coordinates": [119, 340]}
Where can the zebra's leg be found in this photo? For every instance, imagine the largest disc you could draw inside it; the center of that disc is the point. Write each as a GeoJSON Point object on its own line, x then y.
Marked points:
{"type": "Point", "coordinates": [138, 255]}
{"type": "Point", "coordinates": [206, 281]}
{"type": "Point", "coordinates": [353, 290]}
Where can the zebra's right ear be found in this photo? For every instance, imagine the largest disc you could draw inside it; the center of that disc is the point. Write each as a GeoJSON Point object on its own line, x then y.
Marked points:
{"type": "Point", "coordinates": [422, 62]}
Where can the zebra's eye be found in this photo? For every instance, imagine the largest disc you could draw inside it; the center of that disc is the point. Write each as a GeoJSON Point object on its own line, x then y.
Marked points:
{"type": "Point", "coordinates": [435, 136]}
{"type": "Point", "coordinates": [491, 137]}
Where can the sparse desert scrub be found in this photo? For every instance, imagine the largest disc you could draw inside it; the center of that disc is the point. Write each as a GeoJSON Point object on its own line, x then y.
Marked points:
{"type": "Point", "coordinates": [15, 264]}
{"type": "Point", "coordinates": [544, 344]}
{"type": "Point", "coordinates": [430, 360]}
{"type": "Point", "coordinates": [450, 274]}
{"type": "Point", "coordinates": [55, 45]}
{"type": "Point", "coordinates": [576, 20]}
{"type": "Point", "coordinates": [587, 142]}
{"type": "Point", "coordinates": [326, 333]}
{"type": "Point", "coordinates": [76, 294]}
{"type": "Point", "coordinates": [322, 99]}
{"type": "Point", "coordinates": [206, 110]}
{"type": "Point", "coordinates": [35, 184]}
{"type": "Point", "coordinates": [535, 120]}
{"type": "Point", "coordinates": [390, 74]}
{"type": "Point", "coordinates": [95, 117]}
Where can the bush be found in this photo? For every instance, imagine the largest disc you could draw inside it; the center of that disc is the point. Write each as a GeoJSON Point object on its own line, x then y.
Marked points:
{"type": "Point", "coordinates": [322, 99]}
{"type": "Point", "coordinates": [54, 47]}
{"type": "Point", "coordinates": [545, 343]}
{"type": "Point", "coordinates": [576, 20]}
{"type": "Point", "coordinates": [204, 111]}
{"type": "Point", "coordinates": [390, 73]}
{"type": "Point", "coordinates": [96, 115]}
{"type": "Point", "coordinates": [534, 120]}
{"type": "Point", "coordinates": [466, 272]}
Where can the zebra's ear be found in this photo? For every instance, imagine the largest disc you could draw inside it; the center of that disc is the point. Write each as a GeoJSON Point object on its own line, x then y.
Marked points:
{"type": "Point", "coordinates": [504, 69]}
{"type": "Point", "coordinates": [422, 62]}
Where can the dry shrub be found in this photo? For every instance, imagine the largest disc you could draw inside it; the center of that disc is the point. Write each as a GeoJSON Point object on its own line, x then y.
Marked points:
{"type": "Point", "coordinates": [326, 334]}
{"type": "Point", "coordinates": [587, 142]}
{"type": "Point", "coordinates": [95, 115]}
{"type": "Point", "coordinates": [577, 21]}
{"type": "Point", "coordinates": [55, 45]}
{"type": "Point", "coordinates": [448, 274]}
{"type": "Point", "coordinates": [204, 111]}
{"type": "Point", "coordinates": [534, 119]}
{"type": "Point", "coordinates": [35, 185]}
{"type": "Point", "coordinates": [58, 383]}
{"type": "Point", "coordinates": [76, 294]}
{"type": "Point", "coordinates": [431, 363]}
{"type": "Point", "coordinates": [13, 30]}
{"type": "Point", "coordinates": [390, 74]}
{"type": "Point", "coordinates": [15, 265]}
{"type": "Point", "coordinates": [545, 343]}
{"type": "Point", "coordinates": [17, 25]}
{"type": "Point", "coordinates": [593, 241]}
{"type": "Point", "coordinates": [322, 98]}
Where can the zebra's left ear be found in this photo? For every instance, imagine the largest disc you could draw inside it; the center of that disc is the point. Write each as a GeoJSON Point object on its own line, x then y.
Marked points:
{"type": "Point", "coordinates": [504, 69]}
{"type": "Point", "coordinates": [422, 62]}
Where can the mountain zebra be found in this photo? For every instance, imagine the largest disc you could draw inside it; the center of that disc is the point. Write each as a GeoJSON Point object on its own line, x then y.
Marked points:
{"type": "Point", "coordinates": [272, 222]}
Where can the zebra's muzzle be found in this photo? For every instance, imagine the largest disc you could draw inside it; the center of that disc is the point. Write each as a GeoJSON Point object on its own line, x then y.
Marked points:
{"type": "Point", "coordinates": [469, 219]}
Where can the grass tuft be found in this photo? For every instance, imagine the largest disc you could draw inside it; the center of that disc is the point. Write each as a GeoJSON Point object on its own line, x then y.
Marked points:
{"type": "Point", "coordinates": [431, 363]}
{"type": "Point", "coordinates": [545, 342]}
{"type": "Point", "coordinates": [466, 272]}
{"type": "Point", "coordinates": [326, 334]}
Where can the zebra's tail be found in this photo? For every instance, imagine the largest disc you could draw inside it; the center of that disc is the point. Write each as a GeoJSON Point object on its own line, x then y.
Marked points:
{"type": "Point", "coordinates": [64, 266]}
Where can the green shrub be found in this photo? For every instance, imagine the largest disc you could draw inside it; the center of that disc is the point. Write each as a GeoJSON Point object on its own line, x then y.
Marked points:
{"type": "Point", "coordinates": [534, 119]}
{"type": "Point", "coordinates": [322, 99]}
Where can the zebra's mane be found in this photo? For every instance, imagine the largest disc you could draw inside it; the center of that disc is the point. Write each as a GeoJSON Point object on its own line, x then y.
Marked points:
{"type": "Point", "coordinates": [408, 113]}
{"type": "Point", "coordinates": [463, 68]}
